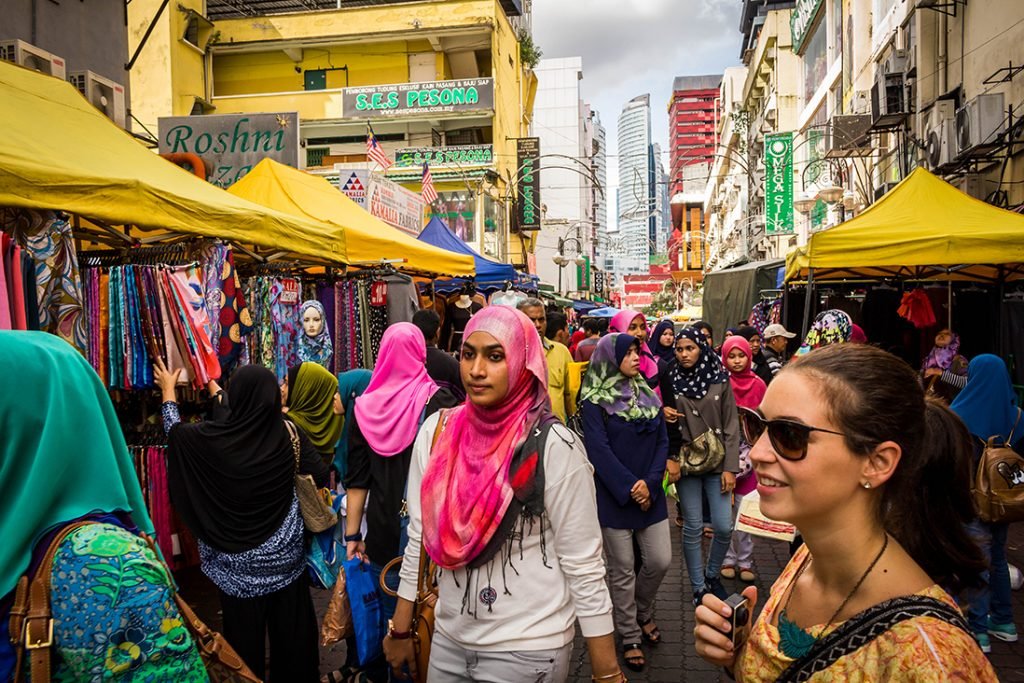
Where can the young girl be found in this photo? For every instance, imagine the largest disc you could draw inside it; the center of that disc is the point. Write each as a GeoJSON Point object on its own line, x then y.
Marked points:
{"type": "Point", "coordinates": [748, 390]}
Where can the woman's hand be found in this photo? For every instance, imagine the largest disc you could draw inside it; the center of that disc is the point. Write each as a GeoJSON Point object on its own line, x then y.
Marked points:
{"type": "Point", "coordinates": [640, 492]}
{"type": "Point", "coordinates": [712, 638]}
{"type": "Point", "coordinates": [671, 414]}
{"type": "Point", "coordinates": [401, 656]}
{"type": "Point", "coordinates": [673, 470]}
{"type": "Point", "coordinates": [166, 380]}
{"type": "Point", "coordinates": [354, 549]}
{"type": "Point", "coordinates": [728, 482]}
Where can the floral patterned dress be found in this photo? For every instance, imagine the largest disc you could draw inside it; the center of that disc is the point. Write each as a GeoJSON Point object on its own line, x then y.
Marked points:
{"type": "Point", "coordinates": [114, 613]}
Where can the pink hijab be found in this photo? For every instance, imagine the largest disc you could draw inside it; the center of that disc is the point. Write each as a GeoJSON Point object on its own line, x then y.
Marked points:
{"type": "Point", "coordinates": [747, 387]}
{"type": "Point", "coordinates": [467, 485]}
{"type": "Point", "coordinates": [389, 410]}
{"type": "Point", "coordinates": [621, 323]}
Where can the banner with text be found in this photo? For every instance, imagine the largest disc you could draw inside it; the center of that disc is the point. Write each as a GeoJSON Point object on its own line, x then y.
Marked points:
{"type": "Point", "coordinates": [402, 99]}
{"type": "Point", "coordinates": [461, 155]}
{"type": "Point", "coordinates": [383, 198]}
{"type": "Point", "coordinates": [231, 144]}
{"type": "Point", "coordinates": [528, 185]}
{"type": "Point", "coordinates": [778, 181]}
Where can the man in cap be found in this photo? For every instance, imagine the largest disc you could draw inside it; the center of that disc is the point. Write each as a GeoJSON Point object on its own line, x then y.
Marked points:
{"type": "Point", "coordinates": [776, 337]}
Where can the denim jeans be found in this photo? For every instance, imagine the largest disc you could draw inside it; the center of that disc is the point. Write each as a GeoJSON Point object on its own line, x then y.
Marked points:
{"type": "Point", "coordinates": [991, 601]}
{"type": "Point", "coordinates": [692, 491]}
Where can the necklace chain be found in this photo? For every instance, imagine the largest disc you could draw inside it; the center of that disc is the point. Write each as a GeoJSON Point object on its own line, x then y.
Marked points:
{"type": "Point", "coordinates": [849, 596]}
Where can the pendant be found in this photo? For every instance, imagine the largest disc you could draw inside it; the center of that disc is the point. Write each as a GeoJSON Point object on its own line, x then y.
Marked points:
{"type": "Point", "coordinates": [794, 642]}
{"type": "Point", "coordinates": [488, 596]}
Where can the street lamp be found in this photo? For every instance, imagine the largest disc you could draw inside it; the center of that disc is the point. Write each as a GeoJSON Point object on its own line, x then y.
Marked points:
{"type": "Point", "coordinates": [562, 261]}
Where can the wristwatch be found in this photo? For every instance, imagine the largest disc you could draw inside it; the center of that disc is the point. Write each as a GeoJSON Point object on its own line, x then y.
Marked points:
{"type": "Point", "coordinates": [397, 635]}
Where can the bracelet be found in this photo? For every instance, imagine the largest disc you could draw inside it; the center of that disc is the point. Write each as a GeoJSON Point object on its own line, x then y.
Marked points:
{"type": "Point", "coordinates": [621, 677]}
{"type": "Point", "coordinates": [357, 536]}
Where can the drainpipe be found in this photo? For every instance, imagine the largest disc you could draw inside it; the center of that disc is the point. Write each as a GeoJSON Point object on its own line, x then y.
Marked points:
{"type": "Point", "coordinates": [943, 54]}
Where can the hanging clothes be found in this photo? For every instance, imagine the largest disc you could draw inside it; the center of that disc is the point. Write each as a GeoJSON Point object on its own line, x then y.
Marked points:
{"type": "Point", "coordinates": [916, 308]}
{"type": "Point", "coordinates": [234, 318]}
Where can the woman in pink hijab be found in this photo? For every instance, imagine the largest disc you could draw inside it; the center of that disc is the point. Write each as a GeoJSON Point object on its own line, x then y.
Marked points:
{"type": "Point", "coordinates": [383, 425]}
{"type": "Point", "coordinates": [634, 324]}
{"type": "Point", "coordinates": [503, 499]}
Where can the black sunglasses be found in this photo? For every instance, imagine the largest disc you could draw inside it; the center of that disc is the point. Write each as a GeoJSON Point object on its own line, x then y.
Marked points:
{"type": "Point", "coordinates": [788, 437]}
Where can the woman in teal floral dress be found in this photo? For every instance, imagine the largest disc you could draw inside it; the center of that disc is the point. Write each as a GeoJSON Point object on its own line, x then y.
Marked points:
{"type": "Point", "coordinates": [63, 459]}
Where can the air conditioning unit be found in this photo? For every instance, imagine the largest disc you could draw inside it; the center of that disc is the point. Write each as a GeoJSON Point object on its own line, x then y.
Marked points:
{"type": "Point", "coordinates": [940, 134]}
{"type": "Point", "coordinates": [888, 99]}
{"type": "Point", "coordinates": [102, 93]}
{"type": "Point", "coordinates": [31, 57]}
{"type": "Point", "coordinates": [969, 184]}
{"type": "Point", "coordinates": [848, 136]}
{"type": "Point", "coordinates": [882, 189]}
{"type": "Point", "coordinates": [979, 122]}
{"type": "Point", "coordinates": [897, 61]}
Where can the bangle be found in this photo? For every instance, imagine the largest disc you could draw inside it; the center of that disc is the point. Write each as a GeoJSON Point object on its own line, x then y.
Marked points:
{"type": "Point", "coordinates": [621, 677]}
{"type": "Point", "coordinates": [397, 635]}
{"type": "Point", "coordinates": [356, 537]}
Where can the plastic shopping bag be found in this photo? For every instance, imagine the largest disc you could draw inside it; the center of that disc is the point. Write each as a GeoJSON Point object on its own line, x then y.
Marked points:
{"type": "Point", "coordinates": [364, 601]}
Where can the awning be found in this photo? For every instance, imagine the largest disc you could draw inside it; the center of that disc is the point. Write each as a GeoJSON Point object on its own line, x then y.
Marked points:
{"type": "Point", "coordinates": [364, 238]}
{"type": "Point", "coordinates": [731, 293]}
{"type": "Point", "coordinates": [59, 152]}
{"type": "Point", "coordinates": [924, 228]}
{"type": "Point", "coordinates": [487, 271]}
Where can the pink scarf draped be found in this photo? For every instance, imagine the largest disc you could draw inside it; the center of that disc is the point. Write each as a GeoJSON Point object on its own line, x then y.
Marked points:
{"type": "Point", "coordinates": [747, 388]}
{"type": "Point", "coordinates": [621, 323]}
{"type": "Point", "coordinates": [389, 410]}
{"type": "Point", "coordinates": [466, 487]}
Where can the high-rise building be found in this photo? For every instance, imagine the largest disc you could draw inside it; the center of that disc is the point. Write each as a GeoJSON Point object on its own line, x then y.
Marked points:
{"type": "Point", "coordinates": [692, 115]}
{"type": "Point", "coordinates": [659, 192]}
{"type": "Point", "coordinates": [599, 166]}
{"type": "Point", "coordinates": [635, 203]}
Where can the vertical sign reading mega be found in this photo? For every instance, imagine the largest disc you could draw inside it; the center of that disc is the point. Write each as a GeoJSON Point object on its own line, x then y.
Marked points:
{"type": "Point", "coordinates": [778, 181]}
{"type": "Point", "coordinates": [528, 186]}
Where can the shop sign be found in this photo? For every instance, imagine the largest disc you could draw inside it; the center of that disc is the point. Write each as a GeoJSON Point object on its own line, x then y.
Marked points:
{"type": "Point", "coordinates": [528, 185]}
{"type": "Point", "coordinates": [462, 155]}
{"type": "Point", "coordinates": [289, 291]}
{"type": "Point", "coordinates": [598, 281]}
{"type": "Point", "coordinates": [402, 99]}
{"type": "Point", "coordinates": [778, 180]}
{"type": "Point", "coordinates": [383, 198]}
{"type": "Point", "coordinates": [353, 182]}
{"type": "Point", "coordinates": [379, 293]}
{"type": "Point", "coordinates": [802, 20]}
{"type": "Point", "coordinates": [231, 144]}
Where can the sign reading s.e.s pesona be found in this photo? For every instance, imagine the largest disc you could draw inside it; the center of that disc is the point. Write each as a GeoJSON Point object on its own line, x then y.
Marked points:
{"type": "Point", "coordinates": [400, 99]}
{"type": "Point", "coordinates": [528, 185]}
{"type": "Point", "coordinates": [231, 144]}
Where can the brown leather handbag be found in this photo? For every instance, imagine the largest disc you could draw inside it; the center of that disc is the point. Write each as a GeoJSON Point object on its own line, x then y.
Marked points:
{"type": "Point", "coordinates": [32, 617]}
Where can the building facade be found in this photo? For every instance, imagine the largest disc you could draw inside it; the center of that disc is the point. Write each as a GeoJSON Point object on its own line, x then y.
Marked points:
{"type": "Point", "coordinates": [637, 215]}
{"type": "Point", "coordinates": [448, 82]}
{"type": "Point", "coordinates": [692, 116]}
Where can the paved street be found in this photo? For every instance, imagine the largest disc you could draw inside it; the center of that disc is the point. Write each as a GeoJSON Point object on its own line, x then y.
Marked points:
{"type": "Point", "coordinates": [674, 660]}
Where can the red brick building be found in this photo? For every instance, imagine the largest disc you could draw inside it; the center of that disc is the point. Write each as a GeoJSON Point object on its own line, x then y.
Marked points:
{"type": "Point", "coordinates": [692, 115]}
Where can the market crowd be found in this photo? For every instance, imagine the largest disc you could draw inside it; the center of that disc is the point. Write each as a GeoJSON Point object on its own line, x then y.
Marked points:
{"type": "Point", "coordinates": [544, 472]}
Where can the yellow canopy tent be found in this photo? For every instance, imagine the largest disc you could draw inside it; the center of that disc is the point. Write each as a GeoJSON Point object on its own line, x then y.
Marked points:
{"type": "Point", "coordinates": [367, 238]}
{"type": "Point", "coordinates": [924, 228]}
{"type": "Point", "coordinates": [58, 152]}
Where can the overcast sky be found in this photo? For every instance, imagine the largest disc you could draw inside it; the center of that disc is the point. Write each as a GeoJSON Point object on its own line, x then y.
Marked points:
{"type": "Point", "coordinates": [632, 47]}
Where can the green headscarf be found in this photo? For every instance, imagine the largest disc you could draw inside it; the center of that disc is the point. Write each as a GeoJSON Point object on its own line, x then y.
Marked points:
{"type": "Point", "coordinates": [311, 406]}
{"type": "Point", "coordinates": [62, 454]}
{"type": "Point", "coordinates": [604, 384]}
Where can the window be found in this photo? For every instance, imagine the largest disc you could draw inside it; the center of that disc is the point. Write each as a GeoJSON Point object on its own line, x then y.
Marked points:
{"type": "Point", "coordinates": [814, 63]}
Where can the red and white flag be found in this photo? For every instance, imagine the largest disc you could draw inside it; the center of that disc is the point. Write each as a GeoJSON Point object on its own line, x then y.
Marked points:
{"type": "Point", "coordinates": [374, 152]}
{"type": "Point", "coordinates": [428, 192]}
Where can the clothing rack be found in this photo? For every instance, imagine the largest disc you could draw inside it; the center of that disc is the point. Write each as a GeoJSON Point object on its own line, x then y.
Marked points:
{"type": "Point", "coordinates": [176, 254]}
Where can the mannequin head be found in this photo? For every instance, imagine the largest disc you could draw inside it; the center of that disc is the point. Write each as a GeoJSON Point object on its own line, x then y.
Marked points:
{"type": "Point", "coordinates": [312, 320]}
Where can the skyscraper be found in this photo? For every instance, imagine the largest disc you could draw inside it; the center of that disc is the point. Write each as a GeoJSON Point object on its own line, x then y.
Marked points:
{"type": "Point", "coordinates": [636, 175]}
{"type": "Point", "coordinates": [599, 166]}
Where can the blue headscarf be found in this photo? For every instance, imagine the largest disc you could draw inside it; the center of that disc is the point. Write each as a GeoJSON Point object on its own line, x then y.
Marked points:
{"type": "Point", "coordinates": [351, 385]}
{"type": "Point", "coordinates": [988, 404]}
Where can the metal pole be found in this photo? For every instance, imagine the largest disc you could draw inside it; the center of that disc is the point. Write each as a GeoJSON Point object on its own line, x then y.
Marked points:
{"type": "Point", "coordinates": [807, 303]}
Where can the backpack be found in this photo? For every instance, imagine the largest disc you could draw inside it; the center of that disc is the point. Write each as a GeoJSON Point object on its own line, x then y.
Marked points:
{"type": "Point", "coordinates": [998, 486]}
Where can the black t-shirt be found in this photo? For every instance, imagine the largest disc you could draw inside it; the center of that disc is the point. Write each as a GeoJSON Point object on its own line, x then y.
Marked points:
{"type": "Point", "coordinates": [385, 479]}
{"type": "Point", "coordinates": [444, 369]}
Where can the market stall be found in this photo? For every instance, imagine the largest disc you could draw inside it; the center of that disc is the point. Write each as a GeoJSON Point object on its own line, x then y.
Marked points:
{"type": "Point", "coordinates": [731, 294]}
{"type": "Point", "coordinates": [488, 272]}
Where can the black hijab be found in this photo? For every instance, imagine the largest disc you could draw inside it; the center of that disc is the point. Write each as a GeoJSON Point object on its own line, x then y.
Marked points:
{"type": "Point", "coordinates": [232, 478]}
{"type": "Point", "coordinates": [664, 354]}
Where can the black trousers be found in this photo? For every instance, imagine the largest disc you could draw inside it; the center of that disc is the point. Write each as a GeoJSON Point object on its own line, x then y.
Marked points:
{"type": "Point", "coordinates": [288, 618]}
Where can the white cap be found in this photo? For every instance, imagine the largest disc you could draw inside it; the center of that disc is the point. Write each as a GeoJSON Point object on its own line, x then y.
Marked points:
{"type": "Point", "coordinates": [776, 330]}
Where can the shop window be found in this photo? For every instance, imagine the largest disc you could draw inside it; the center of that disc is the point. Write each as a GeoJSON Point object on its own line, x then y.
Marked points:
{"type": "Point", "coordinates": [315, 156]}
{"type": "Point", "coordinates": [458, 211]}
{"type": "Point", "coordinates": [815, 63]}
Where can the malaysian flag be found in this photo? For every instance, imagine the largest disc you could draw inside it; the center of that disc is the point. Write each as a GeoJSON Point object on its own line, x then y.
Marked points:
{"type": "Point", "coordinates": [428, 192]}
{"type": "Point", "coordinates": [374, 152]}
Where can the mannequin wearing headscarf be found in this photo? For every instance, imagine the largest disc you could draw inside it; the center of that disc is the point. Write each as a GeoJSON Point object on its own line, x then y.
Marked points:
{"type": "Point", "coordinates": [485, 499]}
{"type": "Point", "coordinates": [944, 370]}
{"type": "Point", "coordinates": [626, 440]}
{"type": "Point", "coordinates": [664, 354]}
{"type": "Point", "coordinates": [64, 460]}
{"type": "Point", "coordinates": [988, 406]}
{"type": "Point", "coordinates": [311, 405]}
{"type": "Point", "coordinates": [315, 339]}
{"type": "Point", "coordinates": [703, 401]}
{"type": "Point", "coordinates": [833, 326]}
{"type": "Point", "coordinates": [622, 321]}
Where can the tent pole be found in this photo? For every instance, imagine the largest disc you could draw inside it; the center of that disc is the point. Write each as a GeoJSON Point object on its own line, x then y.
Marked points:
{"type": "Point", "coordinates": [949, 303]}
{"type": "Point", "coordinates": [807, 303]}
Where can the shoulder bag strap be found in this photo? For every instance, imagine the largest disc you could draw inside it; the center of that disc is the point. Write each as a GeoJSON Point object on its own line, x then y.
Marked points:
{"type": "Point", "coordinates": [1016, 422]}
{"type": "Point", "coordinates": [427, 568]}
{"type": "Point", "coordinates": [31, 623]}
{"type": "Point", "coordinates": [293, 436]}
{"type": "Point", "coordinates": [864, 628]}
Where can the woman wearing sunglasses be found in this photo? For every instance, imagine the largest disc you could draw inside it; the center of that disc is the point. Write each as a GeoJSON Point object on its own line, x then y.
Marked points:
{"type": "Point", "coordinates": [846, 448]}
{"type": "Point", "coordinates": [704, 436]}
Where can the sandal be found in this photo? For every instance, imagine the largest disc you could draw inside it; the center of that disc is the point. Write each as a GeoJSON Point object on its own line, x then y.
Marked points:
{"type": "Point", "coordinates": [679, 521]}
{"type": "Point", "coordinates": [347, 674]}
{"type": "Point", "coordinates": [727, 571]}
{"type": "Point", "coordinates": [747, 575]}
{"type": "Point", "coordinates": [635, 662]}
{"type": "Point", "coordinates": [709, 532]}
{"type": "Point", "coordinates": [652, 636]}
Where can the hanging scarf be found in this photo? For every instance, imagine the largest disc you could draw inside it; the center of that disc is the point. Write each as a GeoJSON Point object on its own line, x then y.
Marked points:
{"type": "Point", "coordinates": [316, 349]}
{"type": "Point", "coordinates": [666, 354]}
{"type": "Point", "coordinates": [351, 385]}
{"type": "Point", "coordinates": [389, 410]}
{"type": "Point", "coordinates": [830, 327]}
{"type": "Point", "coordinates": [62, 453]}
{"type": "Point", "coordinates": [474, 476]}
{"type": "Point", "coordinates": [605, 385]}
{"type": "Point", "coordinates": [232, 479]}
{"type": "Point", "coordinates": [311, 405]}
{"type": "Point", "coordinates": [747, 387]}
{"type": "Point", "coordinates": [942, 358]}
{"type": "Point", "coordinates": [988, 404]}
{"type": "Point", "coordinates": [620, 323]}
{"type": "Point", "coordinates": [708, 370]}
